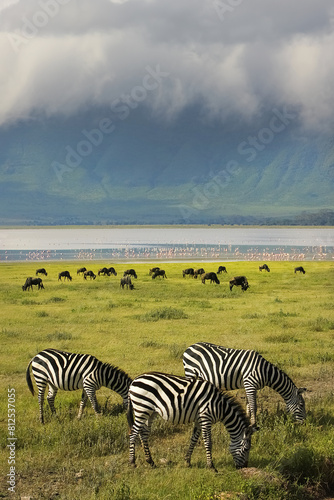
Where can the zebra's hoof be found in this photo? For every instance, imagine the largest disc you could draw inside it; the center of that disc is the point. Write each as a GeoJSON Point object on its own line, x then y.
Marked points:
{"type": "Point", "coordinates": [212, 467]}
{"type": "Point", "coordinates": [132, 464]}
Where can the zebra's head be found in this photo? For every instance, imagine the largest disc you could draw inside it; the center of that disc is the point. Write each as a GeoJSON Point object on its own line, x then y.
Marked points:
{"type": "Point", "coordinates": [296, 404]}
{"type": "Point", "coordinates": [240, 447]}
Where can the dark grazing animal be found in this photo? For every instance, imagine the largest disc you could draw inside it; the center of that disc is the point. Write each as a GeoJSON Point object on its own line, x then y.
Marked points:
{"type": "Point", "coordinates": [81, 270]}
{"type": "Point", "coordinates": [160, 272]}
{"type": "Point", "coordinates": [230, 369]}
{"type": "Point", "coordinates": [239, 281]}
{"type": "Point", "coordinates": [104, 271]}
{"type": "Point", "coordinates": [27, 285]}
{"type": "Point", "coordinates": [89, 274]}
{"type": "Point", "coordinates": [153, 270]}
{"type": "Point", "coordinates": [112, 270]}
{"type": "Point", "coordinates": [188, 272]}
{"type": "Point", "coordinates": [198, 272]}
{"type": "Point", "coordinates": [300, 269]}
{"type": "Point", "coordinates": [210, 276]}
{"type": "Point", "coordinates": [264, 267]}
{"type": "Point", "coordinates": [68, 371]}
{"type": "Point", "coordinates": [183, 401]}
{"type": "Point", "coordinates": [32, 281]}
{"type": "Point", "coordinates": [221, 269]}
{"type": "Point", "coordinates": [65, 275]}
{"type": "Point", "coordinates": [130, 272]}
{"type": "Point", "coordinates": [126, 281]}
{"type": "Point", "coordinates": [41, 271]}
{"type": "Point", "coordinates": [107, 271]}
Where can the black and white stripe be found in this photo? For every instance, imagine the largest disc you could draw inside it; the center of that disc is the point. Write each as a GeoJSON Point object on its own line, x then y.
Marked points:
{"type": "Point", "coordinates": [69, 372]}
{"type": "Point", "coordinates": [182, 401]}
{"type": "Point", "coordinates": [230, 369]}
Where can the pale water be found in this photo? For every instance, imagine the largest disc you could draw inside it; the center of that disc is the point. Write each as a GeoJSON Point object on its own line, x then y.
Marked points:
{"type": "Point", "coordinates": [167, 243]}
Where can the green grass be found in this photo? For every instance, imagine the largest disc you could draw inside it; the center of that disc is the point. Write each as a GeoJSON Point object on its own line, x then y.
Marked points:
{"type": "Point", "coordinates": [288, 318]}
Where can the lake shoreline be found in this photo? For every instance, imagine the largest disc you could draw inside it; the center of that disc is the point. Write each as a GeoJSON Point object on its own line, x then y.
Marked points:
{"type": "Point", "coordinates": [166, 226]}
{"type": "Point", "coordinates": [167, 243]}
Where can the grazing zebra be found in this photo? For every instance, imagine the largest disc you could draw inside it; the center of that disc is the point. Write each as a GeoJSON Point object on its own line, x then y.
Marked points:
{"type": "Point", "coordinates": [182, 401]}
{"type": "Point", "coordinates": [230, 369]}
{"type": "Point", "coordinates": [68, 371]}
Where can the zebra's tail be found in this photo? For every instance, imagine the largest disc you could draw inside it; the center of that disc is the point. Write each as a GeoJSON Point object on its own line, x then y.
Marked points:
{"type": "Point", "coordinates": [129, 415]}
{"type": "Point", "coordinates": [28, 379]}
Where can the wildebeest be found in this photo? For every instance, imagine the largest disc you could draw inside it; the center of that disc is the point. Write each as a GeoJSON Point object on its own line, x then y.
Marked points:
{"type": "Point", "coordinates": [112, 270]}
{"type": "Point", "coordinates": [126, 281]}
{"type": "Point", "coordinates": [188, 272]}
{"type": "Point", "coordinates": [239, 281]}
{"type": "Point", "coordinates": [300, 269]}
{"type": "Point", "coordinates": [199, 272]}
{"type": "Point", "coordinates": [264, 267]}
{"type": "Point", "coordinates": [221, 269]}
{"type": "Point", "coordinates": [104, 271]}
{"type": "Point", "coordinates": [32, 281]}
{"type": "Point", "coordinates": [153, 270]}
{"type": "Point", "coordinates": [210, 276]}
{"type": "Point", "coordinates": [41, 271]}
{"type": "Point", "coordinates": [160, 272]}
{"type": "Point", "coordinates": [90, 274]}
{"type": "Point", "coordinates": [130, 272]}
{"type": "Point", "coordinates": [81, 270]}
{"type": "Point", "coordinates": [107, 271]}
{"type": "Point", "coordinates": [65, 275]}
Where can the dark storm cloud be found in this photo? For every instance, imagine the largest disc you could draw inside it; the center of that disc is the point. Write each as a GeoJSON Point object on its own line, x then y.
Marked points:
{"type": "Point", "coordinates": [231, 58]}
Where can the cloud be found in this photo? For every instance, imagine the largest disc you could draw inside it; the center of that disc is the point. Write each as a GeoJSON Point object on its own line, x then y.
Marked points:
{"type": "Point", "coordinates": [229, 58]}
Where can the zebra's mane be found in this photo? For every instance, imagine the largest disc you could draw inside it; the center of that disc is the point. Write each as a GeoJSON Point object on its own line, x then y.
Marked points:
{"type": "Point", "coordinates": [282, 374]}
{"type": "Point", "coordinates": [115, 368]}
{"type": "Point", "coordinates": [237, 407]}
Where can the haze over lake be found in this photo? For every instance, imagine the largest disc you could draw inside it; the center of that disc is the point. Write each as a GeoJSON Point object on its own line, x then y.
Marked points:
{"type": "Point", "coordinates": [97, 238]}
{"type": "Point", "coordinates": [170, 243]}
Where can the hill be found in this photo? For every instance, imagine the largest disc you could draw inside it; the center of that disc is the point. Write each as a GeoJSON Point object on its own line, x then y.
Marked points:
{"type": "Point", "coordinates": [99, 169]}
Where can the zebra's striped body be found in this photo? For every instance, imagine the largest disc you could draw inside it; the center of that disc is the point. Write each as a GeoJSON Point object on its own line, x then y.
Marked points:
{"type": "Point", "coordinates": [230, 369]}
{"type": "Point", "coordinates": [69, 372]}
{"type": "Point", "coordinates": [182, 401]}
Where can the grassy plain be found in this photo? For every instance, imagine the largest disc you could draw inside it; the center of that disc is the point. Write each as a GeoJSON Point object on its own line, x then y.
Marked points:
{"type": "Point", "coordinates": [287, 317]}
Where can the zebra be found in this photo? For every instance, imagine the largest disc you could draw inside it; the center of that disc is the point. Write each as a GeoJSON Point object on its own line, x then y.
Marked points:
{"type": "Point", "coordinates": [68, 371]}
{"type": "Point", "coordinates": [230, 369]}
{"type": "Point", "coordinates": [182, 401]}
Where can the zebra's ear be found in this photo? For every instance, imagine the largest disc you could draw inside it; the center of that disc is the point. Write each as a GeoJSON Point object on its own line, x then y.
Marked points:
{"type": "Point", "coordinates": [301, 390]}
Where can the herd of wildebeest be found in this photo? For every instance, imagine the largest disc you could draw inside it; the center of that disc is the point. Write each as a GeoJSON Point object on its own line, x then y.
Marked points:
{"type": "Point", "coordinates": [154, 272]}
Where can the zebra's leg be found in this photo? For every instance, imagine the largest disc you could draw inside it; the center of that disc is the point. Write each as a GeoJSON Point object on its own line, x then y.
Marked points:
{"type": "Point", "coordinates": [51, 397]}
{"type": "Point", "coordinates": [135, 433]}
{"type": "Point", "coordinates": [90, 390]}
{"type": "Point", "coordinates": [206, 431]}
{"type": "Point", "coordinates": [251, 405]}
{"type": "Point", "coordinates": [83, 402]}
{"type": "Point", "coordinates": [193, 440]}
{"type": "Point", "coordinates": [144, 435]}
{"type": "Point", "coordinates": [41, 392]}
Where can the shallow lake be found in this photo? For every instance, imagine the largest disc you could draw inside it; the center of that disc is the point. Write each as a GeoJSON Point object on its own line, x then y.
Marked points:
{"type": "Point", "coordinates": [167, 243]}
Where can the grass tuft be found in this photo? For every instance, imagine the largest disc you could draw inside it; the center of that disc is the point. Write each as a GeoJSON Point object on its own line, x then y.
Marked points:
{"type": "Point", "coordinates": [177, 350]}
{"type": "Point", "coordinates": [321, 324]}
{"type": "Point", "coordinates": [164, 313]}
{"type": "Point", "coordinates": [56, 299]}
{"type": "Point", "coordinates": [59, 336]}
